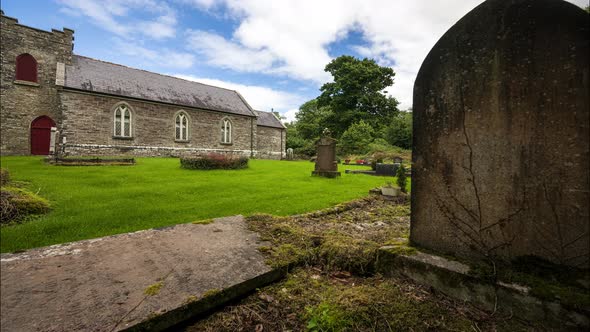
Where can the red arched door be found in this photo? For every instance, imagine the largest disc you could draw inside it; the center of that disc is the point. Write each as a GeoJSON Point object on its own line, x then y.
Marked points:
{"type": "Point", "coordinates": [41, 135]}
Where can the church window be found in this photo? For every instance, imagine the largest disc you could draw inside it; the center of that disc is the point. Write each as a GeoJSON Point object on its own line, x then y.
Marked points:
{"type": "Point", "coordinates": [226, 131]}
{"type": "Point", "coordinates": [181, 127]}
{"type": "Point", "coordinates": [122, 121]}
{"type": "Point", "coordinates": [26, 68]}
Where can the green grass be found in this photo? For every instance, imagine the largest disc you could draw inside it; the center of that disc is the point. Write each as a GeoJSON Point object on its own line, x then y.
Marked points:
{"type": "Point", "coordinates": [94, 201]}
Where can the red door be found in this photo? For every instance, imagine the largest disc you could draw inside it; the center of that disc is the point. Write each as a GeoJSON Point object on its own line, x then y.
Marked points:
{"type": "Point", "coordinates": [41, 135]}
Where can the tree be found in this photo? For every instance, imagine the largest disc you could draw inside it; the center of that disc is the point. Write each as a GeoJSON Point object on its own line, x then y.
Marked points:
{"type": "Point", "coordinates": [356, 139]}
{"type": "Point", "coordinates": [357, 93]}
{"type": "Point", "coordinates": [399, 132]}
{"type": "Point", "coordinates": [312, 119]}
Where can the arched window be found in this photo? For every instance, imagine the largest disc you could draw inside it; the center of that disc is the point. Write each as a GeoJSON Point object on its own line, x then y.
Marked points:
{"type": "Point", "coordinates": [26, 68]}
{"type": "Point", "coordinates": [181, 127]}
{"type": "Point", "coordinates": [122, 123]}
{"type": "Point", "coordinates": [226, 131]}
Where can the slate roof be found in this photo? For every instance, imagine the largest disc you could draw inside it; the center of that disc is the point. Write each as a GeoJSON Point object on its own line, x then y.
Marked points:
{"type": "Point", "coordinates": [268, 119]}
{"type": "Point", "coordinates": [104, 77]}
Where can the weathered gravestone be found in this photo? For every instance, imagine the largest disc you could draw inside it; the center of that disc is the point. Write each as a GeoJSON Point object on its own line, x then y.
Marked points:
{"type": "Point", "coordinates": [501, 135]}
{"type": "Point", "coordinates": [386, 169]}
{"type": "Point", "coordinates": [290, 154]}
{"type": "Point", "coordinates": [326, 164]}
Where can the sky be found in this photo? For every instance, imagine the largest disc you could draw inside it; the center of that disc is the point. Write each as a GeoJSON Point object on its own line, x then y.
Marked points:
{"type": "Point", "coordinates": [271, 51]}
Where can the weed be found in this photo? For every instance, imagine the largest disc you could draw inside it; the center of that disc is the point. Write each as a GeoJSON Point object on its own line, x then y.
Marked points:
{"type": "Point", "coordinates": [154, 289]}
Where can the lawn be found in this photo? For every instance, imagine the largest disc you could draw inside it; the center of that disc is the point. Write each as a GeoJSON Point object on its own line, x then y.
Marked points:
{"type": "Point", "coordinates": [94, 201]}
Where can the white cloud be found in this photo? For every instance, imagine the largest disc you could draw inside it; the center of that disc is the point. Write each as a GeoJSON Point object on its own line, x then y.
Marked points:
{"type": "Point", "coordinates": [291, 38]}
{"type": "Point", "coordinates": [162, 58]}
{"type": "Point", "coordinates": [227, 54]}
{"type": "Point", "coordinates": [115, 16]}
{"type": "Point", "coordinates": [259, 97]}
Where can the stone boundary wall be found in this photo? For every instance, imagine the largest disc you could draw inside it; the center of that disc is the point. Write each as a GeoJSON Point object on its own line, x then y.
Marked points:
{"type": "Point", "coordinates": [145, 151]}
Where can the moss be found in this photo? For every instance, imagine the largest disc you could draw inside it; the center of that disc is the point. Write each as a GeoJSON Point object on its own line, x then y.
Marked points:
{"type": "Point", "coordinates": [154, 289]}
{"type": "Point", "coordinates": [546, 280]}
{"type": "Point", "coordinates": [202, 222]}
{"type": "Point", "coordinates": [286, 255]}
{"type": "Point", "coordinates": [191, 299]}
{"type": "Point", "coordinates": [344, 252]}
{"type": "Point", "coordinates": [327, 317]}
{"type": "Point", "coordinates": [402, 249]}
{"type": "Point", "coordinates": [211, 292]}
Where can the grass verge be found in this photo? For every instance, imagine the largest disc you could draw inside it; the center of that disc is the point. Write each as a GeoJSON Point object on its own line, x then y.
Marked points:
{"type": "Point", "coordinates": [89, 202]}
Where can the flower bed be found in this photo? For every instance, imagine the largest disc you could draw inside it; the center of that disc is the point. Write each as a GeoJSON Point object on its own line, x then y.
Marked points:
{"type": "Point", "coordinates": [214, 161]}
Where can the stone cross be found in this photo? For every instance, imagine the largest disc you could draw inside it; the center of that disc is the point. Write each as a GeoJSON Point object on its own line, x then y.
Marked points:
{"type": "Point", "coordinates": [290, 154]}
{"type": "Point", "coordinates": [502, 134]}
{"type": "Point", "coordinates": [326, 164]}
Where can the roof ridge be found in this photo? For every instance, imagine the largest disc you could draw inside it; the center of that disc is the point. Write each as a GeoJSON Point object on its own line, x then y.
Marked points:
{"type": "Point", "coordinates": [151, 72]}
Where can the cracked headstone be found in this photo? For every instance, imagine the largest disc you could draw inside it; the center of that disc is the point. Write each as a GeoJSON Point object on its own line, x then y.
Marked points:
{"type": "Point", "coordinates": [501, 135]}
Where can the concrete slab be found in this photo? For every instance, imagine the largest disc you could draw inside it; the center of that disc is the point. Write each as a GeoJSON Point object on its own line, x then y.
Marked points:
{"type": "Point", "coordinates": [154, 278]}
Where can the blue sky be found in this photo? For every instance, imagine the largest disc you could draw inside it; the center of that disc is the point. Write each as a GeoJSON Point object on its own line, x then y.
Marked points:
{"type": "Point", "coordinates": [273, 52]}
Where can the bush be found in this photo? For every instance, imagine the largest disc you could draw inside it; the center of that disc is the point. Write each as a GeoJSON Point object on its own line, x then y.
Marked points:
{"type": "Point", "coordinates": [16, 204]}
{"type": "Point", "coordinates": [401, 178]}
{"type": "Point", "coordinates": [4, 176]}
{"type": "Point", "coordinates": [356, 138]}
{"type": "Point", "coordinates": [214, 161]}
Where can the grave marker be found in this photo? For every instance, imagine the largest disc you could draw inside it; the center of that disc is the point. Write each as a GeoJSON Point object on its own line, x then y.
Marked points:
{"type": "Point", "coordinates": [501, 135]}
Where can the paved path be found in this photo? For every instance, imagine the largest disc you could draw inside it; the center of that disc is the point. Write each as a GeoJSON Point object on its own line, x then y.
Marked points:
{"type": "Point", "coordinates": [100, 284]}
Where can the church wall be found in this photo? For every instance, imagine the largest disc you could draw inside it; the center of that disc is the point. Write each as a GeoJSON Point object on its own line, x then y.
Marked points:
{"type": "Point", "coordinates": [270, 143]}
{"type": "Point", "coordinates": [88, 128]}
{"type": "Point", "coordinates": [21, 102]}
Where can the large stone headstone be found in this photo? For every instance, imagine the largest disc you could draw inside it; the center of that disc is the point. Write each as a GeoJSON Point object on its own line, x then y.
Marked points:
{"type": "Point", "coordinates": [326, 164]}
{"type": "Point", "coordinates": [501, 135]}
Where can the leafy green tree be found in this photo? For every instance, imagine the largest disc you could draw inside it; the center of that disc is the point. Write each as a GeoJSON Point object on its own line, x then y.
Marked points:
{"type": "Point", "coordinates": [357, 93]}
{"type": "Point", "coordinates": [294, 140]}
{"type": "Point", "coordinates": [399, 132]}
{"type": "Point", "coordinates": [356, 139]}
{"type": "Point", "coordinates": [312, 119]}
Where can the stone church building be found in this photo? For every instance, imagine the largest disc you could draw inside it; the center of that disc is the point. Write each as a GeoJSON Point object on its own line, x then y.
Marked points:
{"type": "Point", "coordinates": [53, 100]}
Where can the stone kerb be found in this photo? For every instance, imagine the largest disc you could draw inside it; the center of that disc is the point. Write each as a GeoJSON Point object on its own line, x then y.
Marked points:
{"type": "Point", "coordinates": [501, 135]}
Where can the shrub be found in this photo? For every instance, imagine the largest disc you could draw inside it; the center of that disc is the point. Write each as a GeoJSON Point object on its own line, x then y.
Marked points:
{"type": "Point", "coordinates": [401, 178]}
{"type": "Point", "coordinates": [4, 176]}
{"type": "Point", "coordinates": [214, 161]}
{"type": "Point", "coordinates": [16, 204]}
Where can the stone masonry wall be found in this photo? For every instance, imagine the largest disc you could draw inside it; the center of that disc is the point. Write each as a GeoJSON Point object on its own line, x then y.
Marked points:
{"type": "Point", "coordinates": [270, 143]}
{"type": "Point", "coordinates": [88, 128]}
{"type": "Point", "coordinates": [21, 103]}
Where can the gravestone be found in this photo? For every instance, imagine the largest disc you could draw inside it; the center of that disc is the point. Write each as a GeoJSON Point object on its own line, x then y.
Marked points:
{"type": "Point", "coordinates": [397, 160]}
{"type": "Point", "coordinates": [501, 135]}
{"type": "Point", "coordinates": [290, 154]}
{"type": "Point", "coordinates": [326, 164]}
{"type": "Point", "coordinates": [386, 169]}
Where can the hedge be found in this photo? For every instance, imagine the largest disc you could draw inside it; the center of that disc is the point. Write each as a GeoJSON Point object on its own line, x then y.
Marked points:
{"type": "Point", "coordinates": [214, 161]}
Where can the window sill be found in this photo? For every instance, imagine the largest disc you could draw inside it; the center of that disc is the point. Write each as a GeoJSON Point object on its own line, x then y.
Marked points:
{"type": "Point", "coordinates": [226, 143]}
{"type": "Point", "coordinates": [28, 83]}
{"type": "Point", "coordinates": [182, 141]}
{"type": "Point", "coordinates": [123, 138]}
